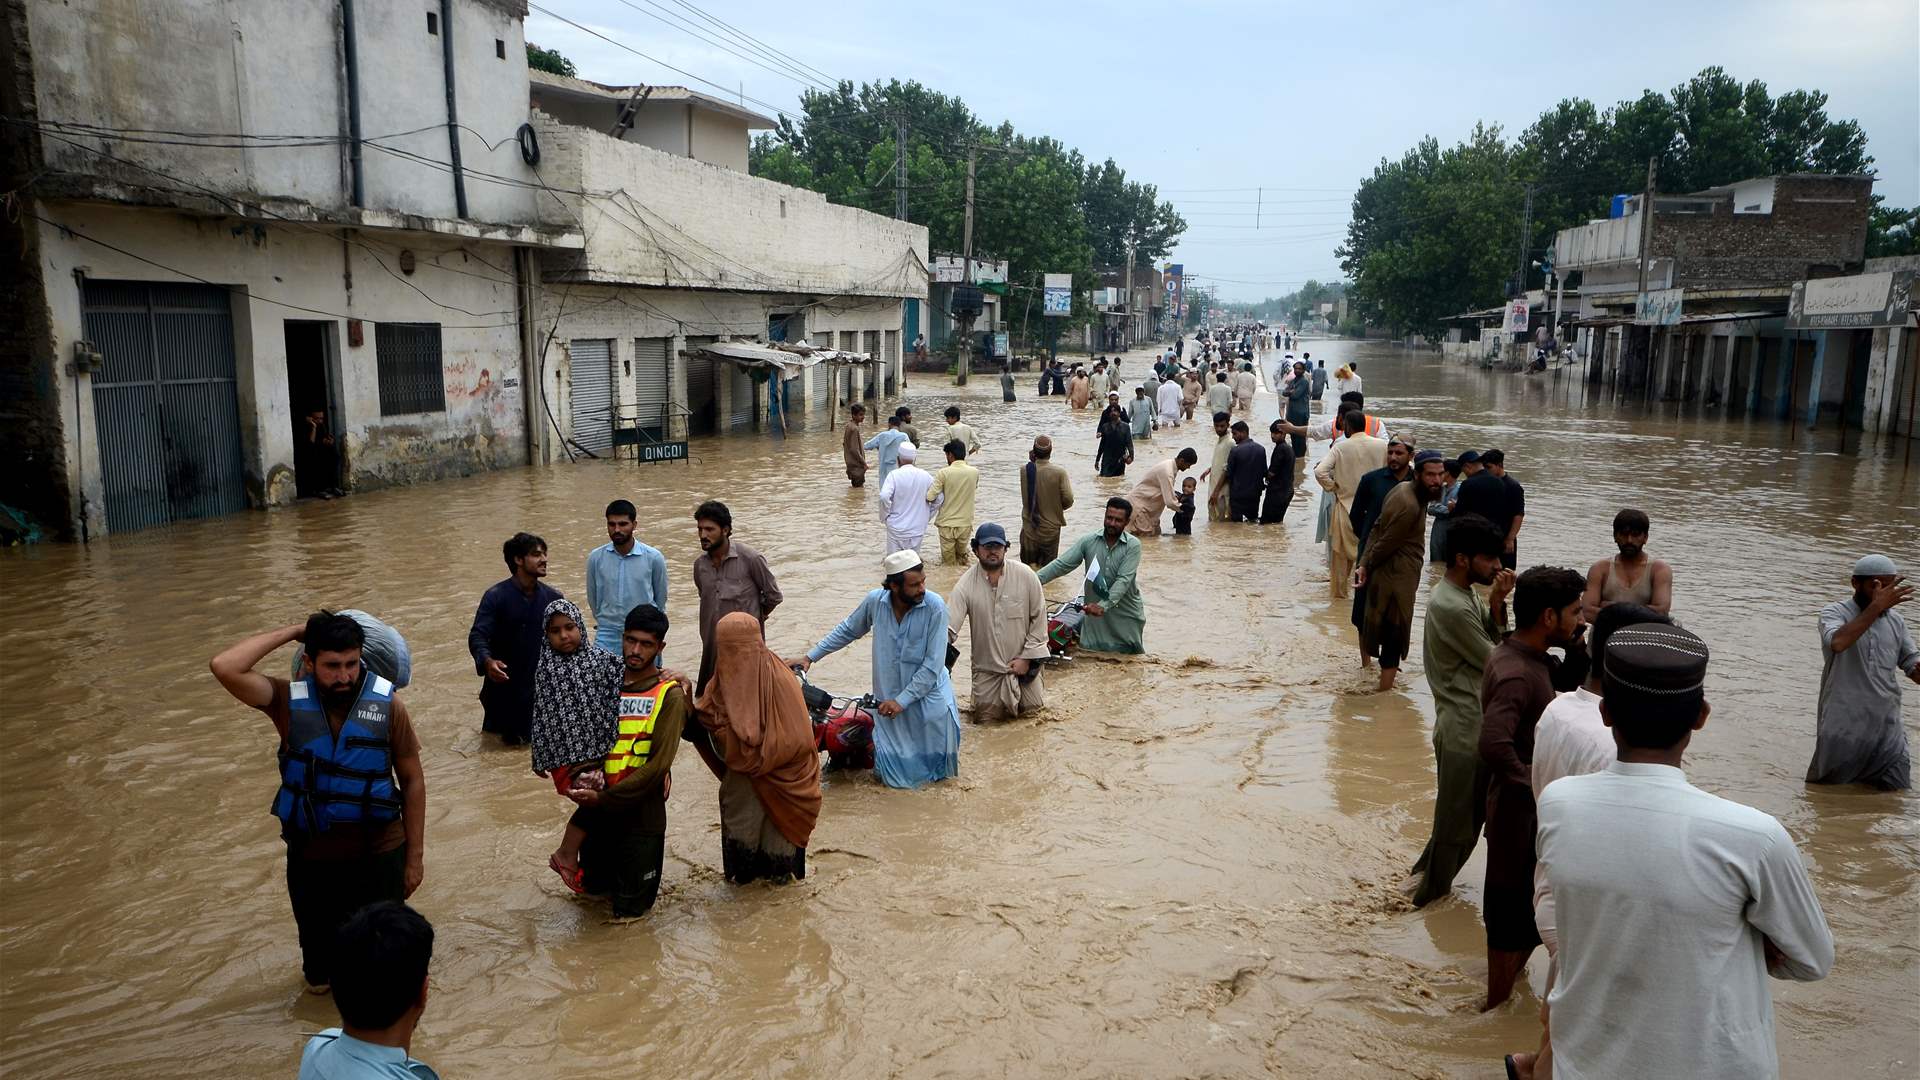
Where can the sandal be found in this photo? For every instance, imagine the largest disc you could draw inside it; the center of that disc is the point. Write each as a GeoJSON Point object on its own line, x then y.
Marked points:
{"type": "Point", "coordinates": [569, 876]}
{"type": "Point", "coordinates": [1513, 1072]}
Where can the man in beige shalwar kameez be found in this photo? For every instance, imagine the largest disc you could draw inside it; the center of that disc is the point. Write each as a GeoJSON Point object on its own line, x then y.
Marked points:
{"type": "Point", "coordinates": [1155, 493]}
{"type": "Point", "coordinates": [1339, 473]}
{"type": "Point", "coordinates": [1006, 612]}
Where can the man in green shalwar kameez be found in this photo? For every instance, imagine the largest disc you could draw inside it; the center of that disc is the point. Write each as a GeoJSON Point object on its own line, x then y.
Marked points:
{"type": "Point", "coordinates": [1460, 633]}
{"type": "Point", "coordinates": [1116, 619]}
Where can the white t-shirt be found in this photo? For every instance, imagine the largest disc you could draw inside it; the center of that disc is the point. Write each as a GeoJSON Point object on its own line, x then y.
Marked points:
{"type": "Point", "coordinates": [1570, 740]}
{"type": "Point", "coordinates": [1664, 893]}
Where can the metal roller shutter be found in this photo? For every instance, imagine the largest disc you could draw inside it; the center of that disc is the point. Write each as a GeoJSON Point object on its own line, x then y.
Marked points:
{"type": "Point", "coordinates": [592, 396]}
{"type": "Point", "coordinates": [652, 383]}
{"type": "Point", "coordinates": [822, 373]}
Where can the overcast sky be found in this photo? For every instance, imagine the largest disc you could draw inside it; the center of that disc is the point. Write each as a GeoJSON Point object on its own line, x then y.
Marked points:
{"type": "Point", "coordinates": [1223, 105]}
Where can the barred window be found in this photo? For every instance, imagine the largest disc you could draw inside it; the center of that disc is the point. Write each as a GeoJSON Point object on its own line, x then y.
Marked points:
{"type": "Point", "coordinates": [408, 356]}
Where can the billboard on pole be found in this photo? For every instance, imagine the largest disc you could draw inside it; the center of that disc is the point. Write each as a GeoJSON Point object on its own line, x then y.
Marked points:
{"type": "Point", "coordinates": [1175, 277]}
{"type": "Point", "coordinates": [1057, 296]}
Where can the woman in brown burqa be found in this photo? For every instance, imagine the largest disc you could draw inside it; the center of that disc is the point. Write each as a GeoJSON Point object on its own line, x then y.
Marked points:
{"type": "Point", "coordinates": [763, 753]}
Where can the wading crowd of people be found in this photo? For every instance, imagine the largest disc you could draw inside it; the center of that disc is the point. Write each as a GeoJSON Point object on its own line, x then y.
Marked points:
{"type": "Point", "coordinates": [1563, 704]}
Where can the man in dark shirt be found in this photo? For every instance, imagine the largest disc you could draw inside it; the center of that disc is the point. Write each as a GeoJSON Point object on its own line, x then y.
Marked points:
{"type": "Point", "coordinates": [1246, 475]}
{"type": "Point", "coordinates": [505, 638]}
{"type": "Point", "coordinates": [1519, 683]}
{"type": "Point", "coordinates": [1372, 492]}
{"type": "Point", "coordinates": [1499, 498]}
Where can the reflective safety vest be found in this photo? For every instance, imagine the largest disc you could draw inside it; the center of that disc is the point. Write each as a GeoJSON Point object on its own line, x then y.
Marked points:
{"type": "Point", "coordinates": [633, 743]}
{"type": "Point", "coordinates": [328, 779]}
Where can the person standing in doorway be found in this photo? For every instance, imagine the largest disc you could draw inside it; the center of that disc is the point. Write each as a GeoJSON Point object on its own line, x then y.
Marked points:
{"type": "Point", "coordinates": [622, 574]}
{"type": "Point", "coordinates": [505, 638]}
{"type": "Point", "coordinates": [852, 448]}
{"type": "Point", "coordinates": [352, 801]}
{"type": "Point", "coordinates": [729, 576]}
{"type": "Point", "coordinates": [1459, 635]}
{"type": "Point", "coordinates": [920, 351]}
{"type": "Point", "coordinates": [953, 492]}
{"type": "Point", "coordinates": [1045, 496]}
{"type": "Point", "coordinates": [1866, 645]}
{"type": "Point", "coordinates": [1674, 907]}
{"type": "Point", "coordinates": [1390, 563]}
{"type": "Point", "coordinates": [903, 502]}
{"type": "Point", "coordinates": [916, 736]}
{"type": "Point", "coordinates": [1520, 682]}
{"type": "Point", "coordinates": [1631, 577]}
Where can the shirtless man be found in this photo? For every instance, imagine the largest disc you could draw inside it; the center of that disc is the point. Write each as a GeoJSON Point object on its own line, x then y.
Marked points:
{"type": "Point", "coordinates": [1630, 576]}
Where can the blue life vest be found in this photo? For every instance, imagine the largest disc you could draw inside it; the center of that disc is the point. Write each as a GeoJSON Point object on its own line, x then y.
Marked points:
{"type": "Point", "coordinates": [327, 779]}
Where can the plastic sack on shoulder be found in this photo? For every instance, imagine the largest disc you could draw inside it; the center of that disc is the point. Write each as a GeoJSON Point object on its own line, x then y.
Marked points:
{"type": "Point", "coordinates": [385, 652]}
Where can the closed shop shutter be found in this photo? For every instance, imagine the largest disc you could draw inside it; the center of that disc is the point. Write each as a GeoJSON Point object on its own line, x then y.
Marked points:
{"type": "Point", "coordinates": [593, 396]}
{"type": "Point", "coordinates": [652, 383]}
{"type": "Point", "coordinates": [166, 407]}
{"type": "Point", "coordinates": [700, 389]}
{"type": "Point", "coordinates": [891, 354]}
{"type": "Point", "coordinates": [822, 374]}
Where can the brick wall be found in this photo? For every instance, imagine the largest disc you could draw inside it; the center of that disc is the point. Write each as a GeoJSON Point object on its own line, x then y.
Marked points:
{"type": "Point", "coordinates": [1818, 227]}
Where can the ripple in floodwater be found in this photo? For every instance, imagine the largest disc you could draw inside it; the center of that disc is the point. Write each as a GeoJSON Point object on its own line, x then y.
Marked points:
{"type": "Point", "coordinates": [1184, 866]}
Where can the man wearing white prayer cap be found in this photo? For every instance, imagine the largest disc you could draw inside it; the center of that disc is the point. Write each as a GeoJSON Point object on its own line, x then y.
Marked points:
{"type": "Point", "coordinates": [1866, 647]}
{"type": "Point", "coordinates": [916, 736]}
{"type": "Point", "coordinates": [903, 502]}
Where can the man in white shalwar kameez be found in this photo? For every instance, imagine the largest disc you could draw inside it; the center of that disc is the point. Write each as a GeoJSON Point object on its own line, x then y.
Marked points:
{"type": "Point", "coordinates": [903, 503]}
{"type": "Point", "coordinates": [1168, 398]}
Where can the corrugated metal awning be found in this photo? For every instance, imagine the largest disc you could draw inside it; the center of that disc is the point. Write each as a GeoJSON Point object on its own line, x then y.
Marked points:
{"type": "Point", "coordinates": [790, 359]}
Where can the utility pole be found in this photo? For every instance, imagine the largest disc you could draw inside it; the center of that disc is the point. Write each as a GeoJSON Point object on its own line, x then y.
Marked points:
{"type": "Point", "coordinates": [1526, 239]}
{"type": "Point", "coordinates": [1126, 331]}
{"type": "Point", "coordinates": [966, 273]}
{"type": "Point", "coordinates": [1644, 335]}
{"type": "Point", "coordinates": [900, 169]}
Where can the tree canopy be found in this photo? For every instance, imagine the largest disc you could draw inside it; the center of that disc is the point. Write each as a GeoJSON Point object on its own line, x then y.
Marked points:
{"type": "Point", "coordinates": [548, 60]}
{"type": "Point", "coordinates": [1438, 231]}
{"type": "Point", "coordinates": [1038, 204]}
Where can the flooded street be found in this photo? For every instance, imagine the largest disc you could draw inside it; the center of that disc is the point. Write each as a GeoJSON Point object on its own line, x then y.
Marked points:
{"type": "Point", "coordinates": [1184, 868]}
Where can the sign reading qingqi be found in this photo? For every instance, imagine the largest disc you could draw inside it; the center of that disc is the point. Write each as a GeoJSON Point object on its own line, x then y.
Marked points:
{"type": "Point", "coordinates": [661, 451]}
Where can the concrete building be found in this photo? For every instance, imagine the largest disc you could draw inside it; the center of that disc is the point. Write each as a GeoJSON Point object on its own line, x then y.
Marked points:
{"type": "Point", "coordinates": [1722, 264]}
{"type": "Point", "coordinates": [674, 119]}
{"type": "Point", "coordinates": [1132, 316]}
{"type": "Point", "coordinates": [684, 248]}
{"type": "Point", "coordinates": [234, 216]}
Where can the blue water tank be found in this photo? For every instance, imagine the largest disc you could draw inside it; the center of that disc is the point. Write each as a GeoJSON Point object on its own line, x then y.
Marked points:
{"type": "Point", "coordinates": [1619, 208]}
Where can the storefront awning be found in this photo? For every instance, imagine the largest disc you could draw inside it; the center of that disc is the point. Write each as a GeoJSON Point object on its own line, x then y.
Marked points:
{"type": "Point", "coordinates": [1685, 320]}
{"type": "Point", "coordinates": [790, 359]}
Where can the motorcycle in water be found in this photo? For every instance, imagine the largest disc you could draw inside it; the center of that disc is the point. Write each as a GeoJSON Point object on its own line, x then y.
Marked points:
{"type": "Point", "coordinates": [842, 727]}
{"type": "Point", "coordinates": [1063, 626]}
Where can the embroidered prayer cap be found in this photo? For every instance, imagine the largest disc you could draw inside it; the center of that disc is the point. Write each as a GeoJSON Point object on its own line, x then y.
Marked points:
{"type": "Point", "coordinates": [899, 562]}
{"type": "Point", "coordinates": [1656, 658]}
{"type": "Point", "coordinates": [1425, 456]}
{"type": "Point", "coordinates": [1875, 566]}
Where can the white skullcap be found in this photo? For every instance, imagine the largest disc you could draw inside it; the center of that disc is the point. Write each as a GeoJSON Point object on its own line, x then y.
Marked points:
{"type": "Point", "coordinates": [898, 562]}
{"type": "Point", "coordinates": [905, 452]}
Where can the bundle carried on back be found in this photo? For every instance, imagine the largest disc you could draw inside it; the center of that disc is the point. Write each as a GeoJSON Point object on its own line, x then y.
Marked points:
{"type": "Point", "coordinates": [385, 652]}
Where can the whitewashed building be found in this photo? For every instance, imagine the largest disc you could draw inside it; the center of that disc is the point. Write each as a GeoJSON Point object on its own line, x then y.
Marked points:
{"type": "Point", "coordinates": [683, 247]}
{"type": "Point", "coordinates": [231, 217]}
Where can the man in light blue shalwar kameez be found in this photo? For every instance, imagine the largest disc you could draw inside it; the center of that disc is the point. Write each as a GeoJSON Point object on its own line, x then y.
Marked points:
{"type": "Point", "coordinates": [888, 444]}
{"type": "Point", "coordinates": [916, 734]}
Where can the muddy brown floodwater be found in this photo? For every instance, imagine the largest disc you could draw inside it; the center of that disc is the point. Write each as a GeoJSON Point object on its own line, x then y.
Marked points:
{"type": "Point", "coordinates": [1185, 868]}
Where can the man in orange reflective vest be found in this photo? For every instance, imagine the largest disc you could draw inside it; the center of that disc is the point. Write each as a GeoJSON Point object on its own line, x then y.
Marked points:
{"type": "Point", "coordinates": [626, 824]}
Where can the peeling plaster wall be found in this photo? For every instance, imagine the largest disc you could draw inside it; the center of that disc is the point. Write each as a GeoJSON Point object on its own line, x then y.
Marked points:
{"type": "Point", "coordinates": [483, 426]}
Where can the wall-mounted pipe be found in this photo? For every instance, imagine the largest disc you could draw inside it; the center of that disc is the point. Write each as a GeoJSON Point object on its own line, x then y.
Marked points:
{"type": "Point", "coordinates": [453, 112]}
{"type": "Point", "coordinates": [351, 52]}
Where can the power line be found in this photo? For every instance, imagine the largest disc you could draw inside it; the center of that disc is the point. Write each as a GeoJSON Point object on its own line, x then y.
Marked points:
{"type": "Point", "coordinates": [680, 23]}
{"type": "Point", "coordinates": [764, 47]}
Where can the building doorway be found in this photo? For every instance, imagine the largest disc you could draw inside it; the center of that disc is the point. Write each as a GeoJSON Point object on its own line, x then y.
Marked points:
{"type": "Point", "coordinates": [311, 402]}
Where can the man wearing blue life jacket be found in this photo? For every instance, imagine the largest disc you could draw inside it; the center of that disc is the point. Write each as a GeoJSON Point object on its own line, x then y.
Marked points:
{"type": "Point", "coordinates": [352, 801]}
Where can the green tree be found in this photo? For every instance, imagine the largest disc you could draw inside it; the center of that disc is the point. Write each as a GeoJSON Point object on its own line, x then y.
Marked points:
{"type": "Point", "coordinates": [548, 60]}
{"type": "Point", "coordinates": [1892, 231]}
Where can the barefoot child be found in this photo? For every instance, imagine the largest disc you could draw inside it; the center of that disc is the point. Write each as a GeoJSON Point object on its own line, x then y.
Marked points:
{"type": "Point", "coordinates": [576, 695]}
{"type": "Point", "coordinates": [1183, 517]}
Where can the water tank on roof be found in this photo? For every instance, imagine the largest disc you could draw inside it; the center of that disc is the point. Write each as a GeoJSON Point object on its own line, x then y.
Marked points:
{"type": "Point", "coordinates": [1619, 208]}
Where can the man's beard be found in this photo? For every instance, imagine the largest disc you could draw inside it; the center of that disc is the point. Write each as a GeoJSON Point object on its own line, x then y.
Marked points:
{"type": "Point", "coordinates": [1425, 494]}
{"type": "Point", "coordinates": [706, 544]}
{"type": "Point", "coordinates": [900, 596]}
{"type": "Point", "coordinates": [1862, 598]}
{"type": "Point", "coordinates": [342, 697]}
{"type": "Point", "coordinates": [1631, 551]}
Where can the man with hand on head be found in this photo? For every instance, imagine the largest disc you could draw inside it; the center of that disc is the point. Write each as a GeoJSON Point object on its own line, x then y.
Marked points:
{"type": "Point", "coordinates": [1867, 649]}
